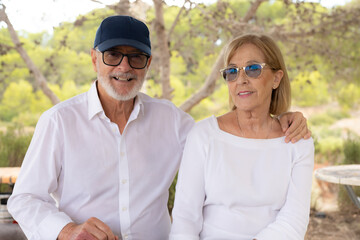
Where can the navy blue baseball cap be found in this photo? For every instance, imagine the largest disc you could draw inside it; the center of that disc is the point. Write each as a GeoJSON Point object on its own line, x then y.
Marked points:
{"type": "Point", "coordinates": [122, 31]}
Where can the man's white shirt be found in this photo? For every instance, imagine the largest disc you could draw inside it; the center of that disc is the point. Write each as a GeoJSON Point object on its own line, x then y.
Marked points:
{"type": "Point", "coordinates": [78, 156]}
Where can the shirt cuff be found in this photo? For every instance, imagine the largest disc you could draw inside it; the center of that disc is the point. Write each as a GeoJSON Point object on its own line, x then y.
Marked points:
{"type": "Point", "coordinates": [51, 226]}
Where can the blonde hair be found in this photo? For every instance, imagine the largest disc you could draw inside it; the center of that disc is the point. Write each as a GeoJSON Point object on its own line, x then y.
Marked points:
{"type": "Point", "coordinates": [281, 96]}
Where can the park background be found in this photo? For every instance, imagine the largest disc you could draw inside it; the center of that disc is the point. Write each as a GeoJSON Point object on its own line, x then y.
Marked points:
{"type": "Point", "coordinates": [42, 65]}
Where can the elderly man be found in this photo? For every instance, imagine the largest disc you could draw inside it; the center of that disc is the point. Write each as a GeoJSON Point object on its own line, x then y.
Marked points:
{"type": "Point", "coordinates": [100, 164]}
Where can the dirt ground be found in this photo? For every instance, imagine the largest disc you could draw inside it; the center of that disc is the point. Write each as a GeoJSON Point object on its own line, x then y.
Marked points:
{"type": "Point", "coordinates": [328, 221]}
{"type": "Point", "coordinates": [334, 226]}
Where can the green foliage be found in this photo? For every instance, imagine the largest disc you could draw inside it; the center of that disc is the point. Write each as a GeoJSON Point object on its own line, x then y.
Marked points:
{"type": "Point", "coordinates": [352, 149]}
{"type": "Point", "coordinates": [22, 104]}
{"type": "Point", "coordinates": [13, 146]}
{"type": "Point", "coordinates": [309, 89]}
{"type": "Point", "coordinates": [330, 149]}
{"type": "Point", "coordinates": [17, 98]}
{"type": "Point", "coordinates": [217, 104]}
{"type": "Point", "coordinates": [328, 144]}
{"type": "Point", "coordinates": [79, 36]}
{"type": "Point", "coordinates": [349, 96]}
{"type": "Point", "coordinates": [172, 191]}
{"type": "Point", "coordinates": [352, 156]}
{"type": "Point", "coordinates": [321, 120]}
{"type": "Point", "coordinates": [328, 118]}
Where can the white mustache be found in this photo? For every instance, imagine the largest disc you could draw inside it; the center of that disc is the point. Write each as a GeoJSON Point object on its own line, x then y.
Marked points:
{"type": "Point", "coordinates": [124, 75]}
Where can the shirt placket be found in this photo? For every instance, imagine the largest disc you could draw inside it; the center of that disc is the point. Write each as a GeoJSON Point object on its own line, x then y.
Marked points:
{"type": "Point", "coordinates": [124, 190]}
{"type": "Point", "coordinates": [124, 215]}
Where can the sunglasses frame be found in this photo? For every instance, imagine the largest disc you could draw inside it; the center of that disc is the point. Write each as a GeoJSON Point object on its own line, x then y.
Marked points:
{"type": "Point", "coordinates": [262, 65]}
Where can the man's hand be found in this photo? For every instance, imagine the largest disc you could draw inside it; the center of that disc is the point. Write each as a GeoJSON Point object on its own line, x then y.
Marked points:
{"type": "Point", "coordinates": [294, 126]}
{"type": "Point", "coordinates": [92, 229]}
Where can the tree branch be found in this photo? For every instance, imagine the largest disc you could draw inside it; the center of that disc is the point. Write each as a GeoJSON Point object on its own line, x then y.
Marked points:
{"type": "Point", "coordinates": [252, 11]}
{"type": "Point", "coordinates": [164, 46]}
{"type": "Point", "coordinates": [208, 88]}
{"type": "Point", "coordinates": [39, 77]}
{"type": "Point", "coordinates": [177, 19]}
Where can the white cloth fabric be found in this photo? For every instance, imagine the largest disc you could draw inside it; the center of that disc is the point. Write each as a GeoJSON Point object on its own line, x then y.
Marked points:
{"type": "Point", "coordinates": [91, 170]}
{"type": "Point", "coordinates": [237, 188]}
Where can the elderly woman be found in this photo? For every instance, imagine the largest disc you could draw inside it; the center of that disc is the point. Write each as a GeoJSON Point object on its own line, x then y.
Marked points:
{"type": "Point", "coordinates": [238, 178]}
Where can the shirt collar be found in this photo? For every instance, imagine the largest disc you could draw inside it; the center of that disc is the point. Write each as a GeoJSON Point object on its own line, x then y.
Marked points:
{"type": "Point", "coordinates": [94, 104]}
{"type": "Point", "coordinates": [95, 107]}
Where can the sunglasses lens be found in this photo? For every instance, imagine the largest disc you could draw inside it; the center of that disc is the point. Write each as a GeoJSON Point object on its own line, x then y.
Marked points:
{"type": "Point", "coordinates": [253, 70]}
{"type": "Point", "coordinates": [230, 74]}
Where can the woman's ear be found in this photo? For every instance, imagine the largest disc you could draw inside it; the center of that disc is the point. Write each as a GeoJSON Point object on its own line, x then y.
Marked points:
{"type": "Point", "coordinates": [277, 79]}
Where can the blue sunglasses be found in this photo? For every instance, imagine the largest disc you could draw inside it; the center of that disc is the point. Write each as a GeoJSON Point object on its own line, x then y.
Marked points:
{"type": "Point", "coordinates": [230, 74]}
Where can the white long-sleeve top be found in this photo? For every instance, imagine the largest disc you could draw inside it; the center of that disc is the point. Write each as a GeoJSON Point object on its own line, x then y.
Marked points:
{"type": "Point", "coordinates": [78, 166]}
{"type": "Point", "coordinates": [238, 188]}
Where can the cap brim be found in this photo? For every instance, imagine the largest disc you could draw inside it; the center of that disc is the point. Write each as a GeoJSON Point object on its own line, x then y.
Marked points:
{"type": "Point", "coordinates": [123, 42]}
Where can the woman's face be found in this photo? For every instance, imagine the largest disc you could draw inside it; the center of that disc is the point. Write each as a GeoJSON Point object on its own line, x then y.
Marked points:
{"type": "Point", "coordinates": [249, 94]}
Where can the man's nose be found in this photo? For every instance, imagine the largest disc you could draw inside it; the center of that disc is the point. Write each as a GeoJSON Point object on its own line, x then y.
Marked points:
{"type": "Point", "coordinates": [124, 65]}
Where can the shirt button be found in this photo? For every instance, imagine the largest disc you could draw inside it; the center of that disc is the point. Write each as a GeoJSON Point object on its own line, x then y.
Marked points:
{"type": "Point", "coordinates": [126, 236]}
{"type": "Point", "coordinates": [123, 181]}
{"type": "Point", "coordinates": [124, 209]}
{"type": "Point", "coordinates": [122, 154]}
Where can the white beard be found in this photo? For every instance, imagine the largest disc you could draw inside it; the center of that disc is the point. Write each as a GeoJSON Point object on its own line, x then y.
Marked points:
{"type": "Point", "coordinates": [111, 91]}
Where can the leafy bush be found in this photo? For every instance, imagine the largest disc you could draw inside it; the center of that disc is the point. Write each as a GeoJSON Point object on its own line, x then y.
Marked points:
{"type": "Point", "coordinates": [328, 145]}
{"type": "Point", "coordinates": [352, 149]}
{"type": "Point", "coordinates": [349, 96]}
{"type": "Point", "coordinates": [352, 156]}
{"type": "Point", "coordinates": [172, 195]}
{"type": "Point", "coordinates": [329, 149]}
{"type": "Point", "coordinates": [328, 118]}
{"type": "Point", "coordinates": [22, 104]}
{"type": "Point", "coordinates": [309, 89]}
{"type": "Point", "coordinates": [321, 120]}
{"type": "Point", "coordinates": [339, 114]}
{"type": "Point", "coordinates": [14, 143]}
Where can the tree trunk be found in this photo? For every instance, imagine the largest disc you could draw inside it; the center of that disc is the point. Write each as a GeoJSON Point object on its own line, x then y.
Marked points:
{"type": "Point", "coordinates": [163, 44]}
{"type": "Point", "coordinates": [123, 7]}
{"type": "Point", "coordinates": [208, 88]}
{"type": "Point", "coordinates": [39, 77]}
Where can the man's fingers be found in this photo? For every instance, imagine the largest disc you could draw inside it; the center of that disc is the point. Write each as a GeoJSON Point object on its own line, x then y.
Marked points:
{"type": "Point", "coordinates": [101, 231]}
{"type": "Point", "coordinates": [307, 135]}
{"type": "Point", "coordinates": [92, 229]}
{"type": "Point", "coordinates": [284, 121]}
{"type": "Point", "coordinates": [83, 235]}
{"type": "Point", "coordinates": [294, 133]}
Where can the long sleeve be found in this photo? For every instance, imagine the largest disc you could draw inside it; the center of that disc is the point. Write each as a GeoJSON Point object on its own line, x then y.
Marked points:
{"type": "Point", "coordinates": [240, 189]}
{"type": "Point", "coordinates": [292, 220]}
{"type": "Point", "coordinates": [31, 204]}
{"type": "Point", "coordinates": [79, 166]}
{"type": "Point", "coordinates": [190, 190]}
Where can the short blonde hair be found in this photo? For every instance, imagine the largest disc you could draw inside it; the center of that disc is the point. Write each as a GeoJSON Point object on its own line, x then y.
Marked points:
{"type": "Point", "coordinates": [281, 96]}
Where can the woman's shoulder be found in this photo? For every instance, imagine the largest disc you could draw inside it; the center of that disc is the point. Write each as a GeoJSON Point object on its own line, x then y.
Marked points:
{"type": "Point", "coordinates": [304, 142]}
{"type": "Point", "coordinates": [303, 147]}
{"type": "Point", "coordinates": [204, 127]}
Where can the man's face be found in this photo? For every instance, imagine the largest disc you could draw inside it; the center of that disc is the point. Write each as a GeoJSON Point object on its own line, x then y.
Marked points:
{"type": "Point", "coordinates": [120, 82]}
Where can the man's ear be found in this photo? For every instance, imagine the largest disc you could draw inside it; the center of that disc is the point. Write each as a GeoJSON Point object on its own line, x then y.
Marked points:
{"type": "Point", "coordinates": [94, 57]}
{"type": "Point", "coordinates": [149, 62]}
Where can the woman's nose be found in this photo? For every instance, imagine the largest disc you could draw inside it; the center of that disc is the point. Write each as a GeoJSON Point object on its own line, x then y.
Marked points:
{"type": "Point", "coordinates": [242, 78]}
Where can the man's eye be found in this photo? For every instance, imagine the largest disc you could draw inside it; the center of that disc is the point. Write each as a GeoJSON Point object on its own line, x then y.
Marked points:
{"type": "Point", "coordinates": [114, 54]}
{"type": "Point", "coordinates": [135, 56]}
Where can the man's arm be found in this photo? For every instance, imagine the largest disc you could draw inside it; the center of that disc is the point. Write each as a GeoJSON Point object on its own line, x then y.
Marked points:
{"type": "Point", "coordinates": [294, 126]}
